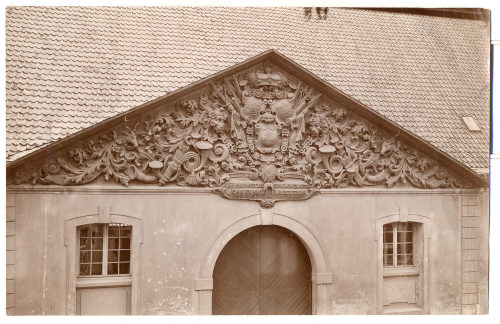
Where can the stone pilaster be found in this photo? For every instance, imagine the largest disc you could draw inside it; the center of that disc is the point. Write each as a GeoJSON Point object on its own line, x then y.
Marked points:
{"type": "Point", "coordinates": [10, 253]}
{"type": "Point", "coordinates": [470, 254]}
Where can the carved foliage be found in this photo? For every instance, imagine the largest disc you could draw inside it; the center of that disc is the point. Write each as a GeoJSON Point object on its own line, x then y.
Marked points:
{"type": "Point", "coordinates": [255, 127]}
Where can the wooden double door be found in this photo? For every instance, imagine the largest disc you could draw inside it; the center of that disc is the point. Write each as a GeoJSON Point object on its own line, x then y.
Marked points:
{"type": "Point", "coordinates": [263, 270]}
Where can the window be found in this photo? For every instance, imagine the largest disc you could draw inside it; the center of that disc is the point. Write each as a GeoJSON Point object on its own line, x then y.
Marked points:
{"type": "Point", "coordinates": [104, 249]}
{"type": "Point", "coordinates": [398, 244]}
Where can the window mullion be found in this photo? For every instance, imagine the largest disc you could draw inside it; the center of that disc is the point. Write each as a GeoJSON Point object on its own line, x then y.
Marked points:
{"type": "Point", "coordinates": [78, 249]}
{"type": "Point", "coordinates": [105, 250]}
{"type": "Point", "coordinates": [395, 245]}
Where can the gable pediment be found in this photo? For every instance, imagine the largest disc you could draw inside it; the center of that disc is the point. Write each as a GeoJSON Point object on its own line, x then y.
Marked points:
{"type": "Point", "coordinates": [261, 132]}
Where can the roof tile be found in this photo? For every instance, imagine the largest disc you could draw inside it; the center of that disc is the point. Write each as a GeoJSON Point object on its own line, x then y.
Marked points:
{"type": "Point", "coordinates": [70, 67]}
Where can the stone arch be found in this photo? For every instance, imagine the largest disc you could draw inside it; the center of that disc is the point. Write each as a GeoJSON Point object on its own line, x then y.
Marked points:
{"type": "Point", "coordinates": [321, 277]}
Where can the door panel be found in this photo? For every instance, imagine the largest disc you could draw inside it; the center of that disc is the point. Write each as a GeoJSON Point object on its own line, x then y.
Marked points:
{"type": "Point", "coordinates": [263, 270]}
{"type": "Point", "coordinates": [236, 284]}
{"type": "Point", "coordinates": [285, 273]}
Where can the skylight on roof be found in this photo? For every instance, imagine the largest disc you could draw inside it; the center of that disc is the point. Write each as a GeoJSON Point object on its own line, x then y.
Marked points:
{"type": "Point", "coordinates": [471, 124]}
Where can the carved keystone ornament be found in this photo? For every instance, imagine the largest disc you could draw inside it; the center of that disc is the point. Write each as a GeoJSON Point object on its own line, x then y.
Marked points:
{"type": "Point", "coordinates": [257, 135]}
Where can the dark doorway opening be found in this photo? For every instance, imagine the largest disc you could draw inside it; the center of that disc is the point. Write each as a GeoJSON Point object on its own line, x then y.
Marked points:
{"type": "Point", "coordinates": [263, 270]}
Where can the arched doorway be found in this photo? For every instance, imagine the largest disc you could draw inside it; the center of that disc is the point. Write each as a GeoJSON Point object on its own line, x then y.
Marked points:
{"type": "Point", "coordinates": [263, 270]}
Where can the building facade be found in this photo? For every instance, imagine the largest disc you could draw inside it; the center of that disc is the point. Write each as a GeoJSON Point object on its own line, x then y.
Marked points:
{"type": "Point", "coordinates": [260, 189]}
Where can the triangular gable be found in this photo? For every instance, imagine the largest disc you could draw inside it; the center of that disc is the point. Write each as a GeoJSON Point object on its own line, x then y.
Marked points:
{"type": "Point", "coordinates": [266, 124]}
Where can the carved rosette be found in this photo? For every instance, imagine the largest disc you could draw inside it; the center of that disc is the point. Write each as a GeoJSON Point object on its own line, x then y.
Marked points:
{"type": "Point", "coordinates": [274, 138]}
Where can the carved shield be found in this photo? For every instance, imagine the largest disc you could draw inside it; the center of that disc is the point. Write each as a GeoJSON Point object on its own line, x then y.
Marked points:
{"type": "Point", "coordinates": [284, 110]}
{"type": "Point", "coordinates": [252, 108]}
{"type": "Point", "coordinates": [268, 140]}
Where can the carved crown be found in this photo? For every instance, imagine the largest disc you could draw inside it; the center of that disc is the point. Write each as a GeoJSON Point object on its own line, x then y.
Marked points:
{"type": "Point", "coordinates": [267, 78]}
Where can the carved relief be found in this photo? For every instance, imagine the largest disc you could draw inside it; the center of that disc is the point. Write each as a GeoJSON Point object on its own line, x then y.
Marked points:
{"type": "Point", "coordinates": [257, 135]}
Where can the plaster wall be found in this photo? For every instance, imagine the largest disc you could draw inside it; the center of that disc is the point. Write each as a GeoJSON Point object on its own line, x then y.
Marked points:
{"type": "Point", "coordinates": [178, 229]}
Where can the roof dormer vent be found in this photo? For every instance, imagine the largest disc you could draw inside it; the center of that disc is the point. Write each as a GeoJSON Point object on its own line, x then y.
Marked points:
{"type": "Point", "coordinates": [471, 123]}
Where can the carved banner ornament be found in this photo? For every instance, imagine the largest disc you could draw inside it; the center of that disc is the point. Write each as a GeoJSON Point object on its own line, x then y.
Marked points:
{"type": "Point", "coordinates": [257, 135]}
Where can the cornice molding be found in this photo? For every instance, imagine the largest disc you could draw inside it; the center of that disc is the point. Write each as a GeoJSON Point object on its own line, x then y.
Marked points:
{"type": "Point", "coordinates": [177, 190]}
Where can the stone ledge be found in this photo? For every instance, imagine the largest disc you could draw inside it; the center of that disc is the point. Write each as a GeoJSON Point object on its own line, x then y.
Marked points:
{"type": "Point", "coordinates": [403, 309]}
{"type": "Point", "coordinates": [204, 284]}
{"type": "Point", "coordinates": [155, 189]}
{"type": "Point", "coordinates": [324, 278]}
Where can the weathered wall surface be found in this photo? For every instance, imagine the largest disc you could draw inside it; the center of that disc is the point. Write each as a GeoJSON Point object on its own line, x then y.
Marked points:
{"type": "Point", "coordinates": [179, 228]}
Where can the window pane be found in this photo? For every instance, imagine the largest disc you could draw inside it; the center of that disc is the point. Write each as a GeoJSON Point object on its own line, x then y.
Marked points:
{"type": "Point", "coordinates": [96, 256]}
{"type": "Point", "coordinates": [97, 244]}
{"type": "Point", "coordinates": [113, 230]}
{"type": "Point", "coordinates": [124, 268]}
{"type": "Point", "coordinates": [85, 231]}
{"type": "Point", "coordinates": [409, 248]}
{"type": "Point", "coordinates": [400, 248]}
{"type": "Point", "coordinates": [97, 269]}
{"type": "Point", "coordinates": [388, 260]}
{"type": "Point", "coordinates": [125, 231]}
{"type": "Point", "coordinates": [409, 260]}
{"type": "Point", "coordinates": [85, 257]}
{"type": "Point", "coordinates": [125, 255]}
{"type": "Point", "coordinates": [388, 236]}
{"type": "Point", "coordinates": [402, 237]}
{"type": "Point", "coordinates": [84, 269]}
{"type": "Point", "coordinates": [112, 268]}
{"type": "Point", "coordinates": [97, 230]}
{"type": "Point", "coordinates": [402, 260]}
{"type": "Point", "coordinates": [113, 243]}
{"type": "Point", "coordinates": [113, 256]}
{"type": "Point", "coordinates": [404, 227]}
{"type": "Point", "coordinates": [125, 243]}
{"type": "Point", "coordinates": [84, 244]}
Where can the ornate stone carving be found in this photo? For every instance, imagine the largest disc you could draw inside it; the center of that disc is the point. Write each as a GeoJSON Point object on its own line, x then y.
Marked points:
{"type": "Point", "coordinates": [257, 135]}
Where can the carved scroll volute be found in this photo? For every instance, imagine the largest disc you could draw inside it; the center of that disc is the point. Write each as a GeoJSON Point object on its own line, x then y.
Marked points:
{"type": "Point", "coordinates": [333, 163]}
{"type": "Point", "coordinates": [193, 163]}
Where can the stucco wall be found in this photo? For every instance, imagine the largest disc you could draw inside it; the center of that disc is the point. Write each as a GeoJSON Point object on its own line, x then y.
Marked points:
{"type": "Point", "coordinates": [178, 229]}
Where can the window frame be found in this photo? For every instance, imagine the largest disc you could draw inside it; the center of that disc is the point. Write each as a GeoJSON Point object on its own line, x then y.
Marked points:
{"type": "Point", "coordinates": [395, 242]}
{"type": "Point", "coordinates": [105, 253]}
{"type": "Point", "coordinates": [420, 268]}
{"type": "Point", "coordinates": [103, 215]}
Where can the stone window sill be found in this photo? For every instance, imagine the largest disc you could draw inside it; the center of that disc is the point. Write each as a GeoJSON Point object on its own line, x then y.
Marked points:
{"type": "Point", "coordinates": [403, 309]}
{"type": "Point", "coordinates": [400, 271]}
{"type": "Point", "coordinates": [107, 281]}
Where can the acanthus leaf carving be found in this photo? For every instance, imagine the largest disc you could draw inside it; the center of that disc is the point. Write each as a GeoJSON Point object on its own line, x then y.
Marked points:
{"type": "Point", "coordinates": [256, 128]}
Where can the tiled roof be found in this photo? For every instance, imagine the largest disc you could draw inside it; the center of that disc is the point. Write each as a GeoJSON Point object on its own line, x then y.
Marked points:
{"type": "Point", "coordinates": [68, 68]}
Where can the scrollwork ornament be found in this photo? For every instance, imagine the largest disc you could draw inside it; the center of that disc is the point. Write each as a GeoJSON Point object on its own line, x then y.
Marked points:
{"type": "Point", "coordinates": [258, 126]}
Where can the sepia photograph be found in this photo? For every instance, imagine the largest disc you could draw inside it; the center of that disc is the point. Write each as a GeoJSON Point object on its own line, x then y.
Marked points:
{"type": "Point", "coordinates": [175, 160]}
